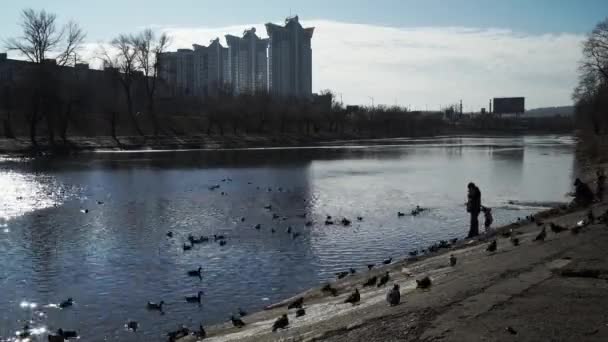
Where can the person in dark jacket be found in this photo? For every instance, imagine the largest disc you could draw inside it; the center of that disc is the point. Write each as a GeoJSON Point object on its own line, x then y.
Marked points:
{"type": "Point", "coordinates": [583, 196]}
{"type": "Point", "coordinates": [601, 182]}
{"type": "Point", "coordinates": [473, 208]}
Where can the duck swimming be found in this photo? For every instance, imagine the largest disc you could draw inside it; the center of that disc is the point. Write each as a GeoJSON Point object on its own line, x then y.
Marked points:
{"type": "Point", "coordinates": [66, 303]}
{"type": "Point", "coordinates": [195, 299]}
{"type": "Point", "coordinates": [155, 306]}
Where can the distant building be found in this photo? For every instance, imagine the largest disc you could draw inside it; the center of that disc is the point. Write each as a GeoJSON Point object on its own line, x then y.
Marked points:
{"type": "Point", "coordinates": [200, 71]}
{"type": "Point", "coordinates": [247, 63]}
{"type": "Point", "coordinates": [290, 59]}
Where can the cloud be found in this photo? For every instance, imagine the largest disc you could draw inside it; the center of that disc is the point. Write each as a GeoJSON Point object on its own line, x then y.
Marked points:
{"type": "Point", "coordinates": [428, 66]}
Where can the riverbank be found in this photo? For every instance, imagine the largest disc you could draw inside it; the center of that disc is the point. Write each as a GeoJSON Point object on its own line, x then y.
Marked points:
{"type": "Point", "coordinates": [558, 284]}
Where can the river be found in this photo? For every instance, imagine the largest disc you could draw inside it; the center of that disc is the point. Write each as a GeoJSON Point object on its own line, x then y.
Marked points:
{"type": "Point", "coordinates": [94, 226]}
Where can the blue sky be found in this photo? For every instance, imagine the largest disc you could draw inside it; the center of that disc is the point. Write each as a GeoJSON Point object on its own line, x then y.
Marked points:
{"type": "Point", "coordinates": [398, 51]}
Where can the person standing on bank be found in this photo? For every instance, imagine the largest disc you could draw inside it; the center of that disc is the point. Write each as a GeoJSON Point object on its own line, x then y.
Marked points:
{"type": "Point", "coordinates": [473, 208]}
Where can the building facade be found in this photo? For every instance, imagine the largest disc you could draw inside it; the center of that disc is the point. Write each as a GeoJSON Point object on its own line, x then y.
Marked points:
{"type": "Point", "coordinates": [247, 63]}
{"type": "Point", "coordinates": [290, 59]}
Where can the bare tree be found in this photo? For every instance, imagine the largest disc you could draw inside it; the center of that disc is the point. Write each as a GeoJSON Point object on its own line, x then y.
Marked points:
{"type": "Point", "coordinates": [148, 56]}
{"type": "Point", "coordinates": [43, 39]}
{"type": "Point", "coordinates": [123, 58]}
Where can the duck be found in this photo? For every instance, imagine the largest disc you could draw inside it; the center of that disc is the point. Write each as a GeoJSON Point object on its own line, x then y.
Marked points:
{"type": "Point", "coordinates": [296, 235]}
{"type": "Point", "coordinates": [352, 270]}
{"type": "Point", "coordinates": [55, 338]}
{"type": "Point", "coordinates": [328, 289]}
{"type": "Point", "coordinates": [557, 228]}
{"type": "Point", "coordinates": [354, 298]}
{"type": "Point", "coordinates": [66, 303]}
{"type": "Point", "coordinates": [195, 299]}
{"type": "Point", "coordinates": [384, 279]}
{"type": "Point", "coordinates": [393, 297]}
{"type": "Point", "coordinates": [371, 281]}
{"type": "Point", "coordinates": [423, 283]}
{"type": "Point", "coordinates": [186, 247]}
{"type": "Point", "coordinates": [272, 231]}
{"type": "Point", "coordinates": [281, 323]}
{"type": "Point", "coordinates": [268, 207]}
{"type": "Point", "coordinates": [452, 260]}
{"type": "Point", "coordinates": [275, 216]}
{"type": "Point", "coordinates": [223, 242]}
{"type": "Point", "coordinates": [341, 275]}
{"type": "Point", "coordinates": [237, 322]}
{"type": "Point", "coordinates": [258, 226]}
{"type": "Point", "coordinates": [328, 217]}
{"type": "Point", "coordinates": [359, 218]}
{"type": "Point", "coordinates": [195, 273]}
{"type": "Point", "coordinates": [300, 312]}
{"type": "Point", "coordinates": [400, 214]}
{"type": "Point", "coordinates": [370, 267]}
{"type": "Point", "coordinates": [242, 219]}
{"type": "Point", "coordinates": [132, 325]}
{"type": "Point", "coordinates": [296, 304]}
{"type": "Point", "coordinates": [26, 332]}
{"type": "Point", "coordinates": [218, 237]}
{"type": "Point", "coordinates": [387, 261]}
{"type": "Point", "coordinates": [329, 222]}
{"type": "Point", "coordinates": [67, 334]}
{"type": "Point", "coordinates": [242, 312]}
{"type": "Point", "coordinates": [288, 230]}
{"type": "Point", "coordinates": [345, 222]}
{"type": "Point", "coordinates": [169, 234]}
{"type": "Point", "coordinates": [301, 215]}
{"type": "Point", "coordinates": [492, 246]}
{"type": "Point", "coordinates": [542, 235]}
{"type": "Point", "coordinates": [453, 241]}
{"type": "Point", "coordinates": [156, 306]}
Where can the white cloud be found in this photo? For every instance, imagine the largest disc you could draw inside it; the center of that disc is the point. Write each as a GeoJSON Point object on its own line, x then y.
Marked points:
{"type": "Point", "coordinates": [429, 66]}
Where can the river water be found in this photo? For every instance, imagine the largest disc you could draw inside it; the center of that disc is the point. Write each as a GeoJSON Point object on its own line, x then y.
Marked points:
{"type": "Point", "coordinates": [93, 226]}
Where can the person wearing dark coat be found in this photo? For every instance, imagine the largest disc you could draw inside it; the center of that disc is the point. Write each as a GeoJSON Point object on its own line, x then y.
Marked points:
{"type": "Point", "coordinates": [474, 208]}
{"type": "Point", "coordinates": [601, 183]}
{"type": "Point", "coordinates": [583, 196]}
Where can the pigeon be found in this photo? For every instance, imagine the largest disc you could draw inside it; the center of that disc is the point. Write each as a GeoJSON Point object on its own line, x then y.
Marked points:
{"type": "Point", "coordinates": [132, 325]}
{"type": "Point", "coordinates": [384, 279]}
{"type": "Point", "coordinates": [237, 322]}
{"type": "Point", "coordinates": [300, 312]}
{"type": "Point", "coordinates": [354, 298]}
{"type": "Point", "coordinates": [452, 260]}
{"type": "Point", "coordinates": [327, 288]}
{"type": "Point", "coordinates": [296, 304]}
{"type": "Point", "coordinates": [393, 297]}
{"type": "Point", "coordinates": [542, 235]}
{"type": "Point", "coordinates": [423, 283]}
{"type": "Point", "coordinates": [492, 246]}
{"type": "Point", "coordinates": [371, 281]}
{"type": "Point", "coordinates": [557, 228]}
{"type": "Point", "coordinates": [281, 323]}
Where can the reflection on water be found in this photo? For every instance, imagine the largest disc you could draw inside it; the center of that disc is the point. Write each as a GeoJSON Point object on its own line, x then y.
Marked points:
{"type": "Point", "coordinates": [94, 227]}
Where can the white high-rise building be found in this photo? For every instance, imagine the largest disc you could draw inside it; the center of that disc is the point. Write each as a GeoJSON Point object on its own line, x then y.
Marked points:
{"type": "Point", "coordinates": [290, 59]}
{"type": "Point", "coordinates": [247, 63]}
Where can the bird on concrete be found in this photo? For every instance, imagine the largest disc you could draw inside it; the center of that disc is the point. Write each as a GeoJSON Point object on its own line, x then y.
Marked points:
{"type": "Point", "coordinates": [281, 323]}
{"type": "Point", "coordinates": [492, 246]}
{"type": "Point", "coordinates": [201, 333]}
{"type": "Point", "coordinates": [423, 283]}
{"type": "Point", "coordinates": [452, 260]}
{"type": "Point", "coordinates": [66, 303]}
{"type": "Point", "coordinates": [393, 297]}
{"type": "Point", "coordinates": [371, 281]}
{"type": "Point", "coordinates": [370, 266]}
{"type": "Point", "coordinates": [384, 279]}
{"type": "Point", "coordinates": [341, 275]}
{"type": "Point", "coordinates": [557, 228]}
{"type": "Point", "coordinates": [354, 298]}
{"type": "Point", "coordinates": [542, 235]}
{"type": "Point", "coordinates": [328, 289]}
{"type": "Point", "coordinates": [300, 312]}
{"type": "Point", "coordinates": [515, 241]}
{"type": "Point", "coordinates": [296, 304]}
{"type": "Point", "coordinates": [132, 325]}
{"type": "Point", "coordinates": [237, 322]}
{"type": "Point", "coordinates": [242, 312]}
{"type": "Point", "coordinates": [511, 331]}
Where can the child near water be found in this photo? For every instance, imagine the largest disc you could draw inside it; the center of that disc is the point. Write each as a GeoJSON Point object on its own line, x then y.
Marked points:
{"type": "Point", "coordinates": [487, 212]}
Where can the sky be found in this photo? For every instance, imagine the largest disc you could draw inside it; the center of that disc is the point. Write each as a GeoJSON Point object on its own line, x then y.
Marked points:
{"type": "Point", "coordinates": [424, 54]}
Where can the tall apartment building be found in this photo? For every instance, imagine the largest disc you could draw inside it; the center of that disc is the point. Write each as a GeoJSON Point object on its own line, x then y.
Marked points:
{"type": "Point", "coordinates": [290, 59]}
{"type": "Point", "coordinates": [200, 71]}
{"type": "Point", "coordinates": [247, 63]}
